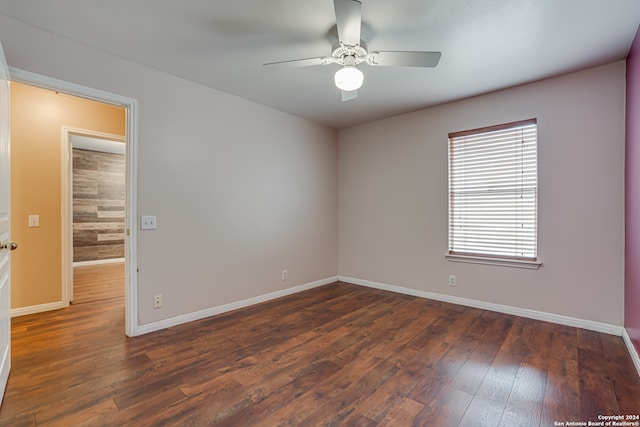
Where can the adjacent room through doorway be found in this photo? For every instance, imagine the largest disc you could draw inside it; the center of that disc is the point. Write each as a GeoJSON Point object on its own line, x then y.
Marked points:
{"type": "Point", "coordinates": [42, 124]}
{"type": "Point", "coordinates": [98, 204]}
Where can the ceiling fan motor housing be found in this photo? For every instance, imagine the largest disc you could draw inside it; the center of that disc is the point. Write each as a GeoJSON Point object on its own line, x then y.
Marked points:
{"type": "Point", "coordinates": [342, 52]}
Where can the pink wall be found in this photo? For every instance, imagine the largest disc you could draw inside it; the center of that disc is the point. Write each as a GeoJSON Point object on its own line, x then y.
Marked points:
{"type": "Point", "coordinates": [632, 194]}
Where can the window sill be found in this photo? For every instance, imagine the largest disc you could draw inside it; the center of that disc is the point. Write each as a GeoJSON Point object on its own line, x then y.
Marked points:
{"type": "Point", "coordinates": [516, 263]}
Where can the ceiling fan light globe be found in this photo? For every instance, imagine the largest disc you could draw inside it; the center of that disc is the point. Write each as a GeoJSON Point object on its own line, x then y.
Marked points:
{"type": "Point", "coordinates": [349, 78]}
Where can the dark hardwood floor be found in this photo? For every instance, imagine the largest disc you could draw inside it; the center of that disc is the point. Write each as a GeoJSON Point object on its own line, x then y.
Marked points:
{"type": "Point", "coordinates": [335, 355]}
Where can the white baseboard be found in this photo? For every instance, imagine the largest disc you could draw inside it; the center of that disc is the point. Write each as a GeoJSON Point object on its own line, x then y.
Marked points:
{"type": "Point", "coordinates": [98, 262]}
{"type": "Point", "coordinates": [632, 350]}
{"type": "Point", "coordinates": [190, 317]}
{"type": "Point", "coordinates": [522, 312]}
{"type": "Point", "coordinates": [32, 309]}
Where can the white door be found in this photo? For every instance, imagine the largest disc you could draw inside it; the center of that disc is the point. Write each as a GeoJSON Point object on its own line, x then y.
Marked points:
{"type": "Point", "coordinates": [5, 239]}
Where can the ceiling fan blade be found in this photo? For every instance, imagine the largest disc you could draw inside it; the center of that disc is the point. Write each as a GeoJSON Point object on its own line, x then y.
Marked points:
{"type": "Point", "coordinates": [348, 21]}
{"type": "Point", "coordinates": [307, 62]}
{"type": "Point", "coordinates": [405, 59]}
{"type": "Point", "coordinates": [348, 96]}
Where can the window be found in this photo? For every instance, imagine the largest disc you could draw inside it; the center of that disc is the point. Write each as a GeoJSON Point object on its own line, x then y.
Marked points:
{"type": "Point", "coordinates": [493, 192]}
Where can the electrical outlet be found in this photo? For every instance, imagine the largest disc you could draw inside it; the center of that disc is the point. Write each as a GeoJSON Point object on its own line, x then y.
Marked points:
{"type": "Point", "coordinates": [452, 280]}
{"type": "Point", "coordinates": [148, 222]}
{"type": "Point", "coordinates": [285, 274]}
{"type": "Point", "coordinates": [157, 301]}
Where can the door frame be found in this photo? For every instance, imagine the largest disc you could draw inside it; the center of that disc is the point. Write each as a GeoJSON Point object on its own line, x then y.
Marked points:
{"type": "Point", "coordinates": [131, 213]}
{"type": "Point", "coordinates": [67, 202]}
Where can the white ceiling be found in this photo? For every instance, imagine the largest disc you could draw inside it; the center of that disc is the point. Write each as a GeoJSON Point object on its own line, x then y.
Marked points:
{"type": "Point", "coordinates": [486, 45]}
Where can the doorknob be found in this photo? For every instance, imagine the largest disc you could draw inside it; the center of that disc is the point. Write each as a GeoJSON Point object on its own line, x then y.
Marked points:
{"type": "Point", "coordinates": [13, 246]}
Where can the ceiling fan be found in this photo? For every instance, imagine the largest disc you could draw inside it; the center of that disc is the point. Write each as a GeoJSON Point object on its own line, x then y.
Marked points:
{"type": "Point", "coordinates": [350, 51]}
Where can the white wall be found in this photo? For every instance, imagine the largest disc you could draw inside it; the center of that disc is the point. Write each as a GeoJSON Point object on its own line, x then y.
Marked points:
{"type": "Point", "coordinates": [393, 198]}
{"type": "Point", "coordinates": [241, 191]}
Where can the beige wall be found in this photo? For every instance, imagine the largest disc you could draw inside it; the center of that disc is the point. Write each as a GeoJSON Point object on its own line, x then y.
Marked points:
{"type": "Point", "coordinates": [37, 117]}
{"type": "Point", "coordinates": [393, 198]}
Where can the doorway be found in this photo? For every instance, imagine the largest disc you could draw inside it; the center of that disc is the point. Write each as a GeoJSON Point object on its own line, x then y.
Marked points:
{"type": "Point", "coordinates": [129, 108]}
{"type": "Point", "coordinates": [97, 214]}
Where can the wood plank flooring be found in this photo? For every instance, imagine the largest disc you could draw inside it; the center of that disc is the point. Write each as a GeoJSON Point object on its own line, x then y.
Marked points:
{"type": "Point", "coordinates": [338, 355]}
{"type": "Point", "coordinates": [98, 282]}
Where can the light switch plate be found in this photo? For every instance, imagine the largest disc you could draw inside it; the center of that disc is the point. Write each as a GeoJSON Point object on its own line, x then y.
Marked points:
{"type": "Point", "coordinates": [148, 222]}
{"type": "Point", "coordinates": [34, 220]}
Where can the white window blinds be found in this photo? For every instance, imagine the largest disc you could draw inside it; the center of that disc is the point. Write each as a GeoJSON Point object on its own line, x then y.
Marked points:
{"type": "Point", "coordinates": [493, 191]}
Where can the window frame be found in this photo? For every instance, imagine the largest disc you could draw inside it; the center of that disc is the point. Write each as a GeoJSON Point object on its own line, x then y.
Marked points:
{"type": "Point", "coordinates": [487, 258]}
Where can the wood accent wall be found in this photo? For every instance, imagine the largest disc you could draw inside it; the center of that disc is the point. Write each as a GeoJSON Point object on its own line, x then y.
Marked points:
{"type": "Point", "coordinates": [98, 205]}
